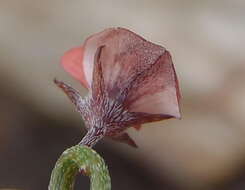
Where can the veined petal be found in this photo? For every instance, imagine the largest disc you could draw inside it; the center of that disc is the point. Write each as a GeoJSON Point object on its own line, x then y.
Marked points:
{"type": "Point", "coordinates": [136, 72]}
{"type": "Point", "coordinates": [156, 90]}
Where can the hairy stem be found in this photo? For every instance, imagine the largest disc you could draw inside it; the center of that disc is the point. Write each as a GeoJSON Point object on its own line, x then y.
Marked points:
{"type": "Point", "coordinates": [93, 136]}
{"type": "Point", "coordinates": [74, 160]}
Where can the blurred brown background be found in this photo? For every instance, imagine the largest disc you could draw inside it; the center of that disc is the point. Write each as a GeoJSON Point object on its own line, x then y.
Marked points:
{"type": "Point", "coordinates": [203, 151]}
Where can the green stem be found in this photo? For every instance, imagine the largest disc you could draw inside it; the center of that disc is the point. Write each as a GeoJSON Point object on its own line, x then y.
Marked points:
{"type": "Point", "coordinates": [78, 159]}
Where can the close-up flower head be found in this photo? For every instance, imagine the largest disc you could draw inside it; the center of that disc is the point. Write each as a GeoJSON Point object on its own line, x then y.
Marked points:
{"type": "Point", "coordinates": [130, 81]}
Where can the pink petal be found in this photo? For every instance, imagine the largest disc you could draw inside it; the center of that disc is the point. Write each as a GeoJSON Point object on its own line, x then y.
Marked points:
{"type": "Point", "coordinates": [125, 54]}
{"type": "Point", "coordinates": [90, 47]}
{"type": "Point", "coordinates": [72, 62]}
{"type": "Point", "coordinates": [156, 90]}
{"type": "Point", "coordinates": [135, 71]}
{"type": "Point", "coordinates": [128, 59]}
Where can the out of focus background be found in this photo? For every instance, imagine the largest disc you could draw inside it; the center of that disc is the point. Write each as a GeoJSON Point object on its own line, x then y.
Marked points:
{"type": "Point", "coordinates": [203, 151]}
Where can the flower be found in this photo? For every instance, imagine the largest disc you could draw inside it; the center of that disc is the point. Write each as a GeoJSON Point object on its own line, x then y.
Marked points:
{"type": "Point", "coordinates": [130, 81]}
